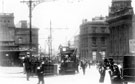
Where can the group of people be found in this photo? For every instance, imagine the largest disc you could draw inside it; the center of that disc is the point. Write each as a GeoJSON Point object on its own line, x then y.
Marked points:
{"type": "Point", "coordinates": [107, 66]}
{"type": "Point", "coordinates": [34, 67]}
{"type": "Point", "coordinates": [113, 70]}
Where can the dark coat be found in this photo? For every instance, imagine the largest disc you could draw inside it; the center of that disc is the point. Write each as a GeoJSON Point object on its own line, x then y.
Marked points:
{"type": "Point", "coordinates": [115, 74]}
{"type": "Point", "coordinates": [40, 72]}
{"type": "Point", "coordinates": [27, 63]}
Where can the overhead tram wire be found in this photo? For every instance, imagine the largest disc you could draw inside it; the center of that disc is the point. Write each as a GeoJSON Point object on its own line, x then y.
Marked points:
{"type": "Point", "coordinates": [32, 4]}
{"type": "Point", "coordinates": [74, 34]}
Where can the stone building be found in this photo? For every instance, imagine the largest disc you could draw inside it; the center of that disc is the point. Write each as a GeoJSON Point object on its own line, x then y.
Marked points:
{"type": "Point", "coordinates": [76, 44]}
{"type": "Point", "coordinates": [7, 27]}
{"type": "Point", "coordinates": [22, 38]}
{"type": "Point", "coordinates": [94, 35]}
{"type": "Point", "coordinates": [13, 40]}
{"type": "Point", "coordinates": [121, 21]}
{"type": "Point", "coordinates": [8, 48]}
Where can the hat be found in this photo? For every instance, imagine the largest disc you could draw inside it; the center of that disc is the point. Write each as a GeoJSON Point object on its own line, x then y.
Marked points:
{"type": "Point", "coordinates": [105, 60]}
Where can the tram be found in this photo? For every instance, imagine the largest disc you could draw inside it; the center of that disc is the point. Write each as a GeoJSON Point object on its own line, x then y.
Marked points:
{"type": "Point", "coordinates": [68, 62]}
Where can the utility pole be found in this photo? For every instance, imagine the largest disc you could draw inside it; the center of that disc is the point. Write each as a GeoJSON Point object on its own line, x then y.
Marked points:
{"type": "Point", "coordinates": [31, 4]}
{"type": "Point", "coordinates": [50, 40]}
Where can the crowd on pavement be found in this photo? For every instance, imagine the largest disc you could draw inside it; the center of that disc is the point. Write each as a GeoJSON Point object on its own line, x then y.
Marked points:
{"type": "Point", "coordinates": [108, 66]}
{"type": "Point", "coordinates": [35, 66]}
{"type": "Point", "coordinates": [111, 68]}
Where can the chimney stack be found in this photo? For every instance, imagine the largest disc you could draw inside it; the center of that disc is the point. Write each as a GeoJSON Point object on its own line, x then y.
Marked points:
{"type": "Point", "coordinates": [23, 24]}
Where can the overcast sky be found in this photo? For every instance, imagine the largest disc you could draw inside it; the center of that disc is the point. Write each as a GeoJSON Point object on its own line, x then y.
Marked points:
{"type": "Point", "coordinates": [62, 13]}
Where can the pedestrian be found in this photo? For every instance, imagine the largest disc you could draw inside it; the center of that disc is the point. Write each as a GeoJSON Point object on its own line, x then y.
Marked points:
{"type": "Point", "coordinates": [77, 65]}
{"type": "Point", "coordinates": [115, 73]}
{"type": "Point", "coordinates": [102, 70]}
{"type": "Point", "coordinates": [40, 74]}
{"type": "Point", "coordinates": [27, 65]}
{"type": "Point", "coordinates": [83, 65]}
{"type": "Point", "coordinates": [89, 63]}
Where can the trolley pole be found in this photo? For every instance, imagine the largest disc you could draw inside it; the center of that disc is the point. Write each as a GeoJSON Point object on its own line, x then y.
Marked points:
{"type": "Point", "coordinates": [29, 3]}
{"type": "Point", "coordinates": [50, 41]}
{"type": "Point", "coordinates": [30, 18]}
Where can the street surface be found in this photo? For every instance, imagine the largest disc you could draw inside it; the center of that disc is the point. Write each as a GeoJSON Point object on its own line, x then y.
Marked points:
{"type": "Point", "coordinates": [15, 75]}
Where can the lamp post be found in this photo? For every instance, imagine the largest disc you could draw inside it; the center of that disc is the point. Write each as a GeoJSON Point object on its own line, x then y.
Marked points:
{"type": "Point", "coordinates": [50, 48]}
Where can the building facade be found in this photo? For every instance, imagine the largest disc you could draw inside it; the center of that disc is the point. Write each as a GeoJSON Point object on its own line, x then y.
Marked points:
{"type": "Point", "coordinates": [13, 40]}
{"type": "Point", "coordinates": [121, 21]}
{"type": "Point", "coordinates": [76, 44]}
{"type": "Point", "coordinates": [7, 27]}
{"type": "Point", "coordinates": [8, 48]}
{"type": "Point", "coordinates": [94, 35]}
{"type": "Point", "coordinates": [22, 39]}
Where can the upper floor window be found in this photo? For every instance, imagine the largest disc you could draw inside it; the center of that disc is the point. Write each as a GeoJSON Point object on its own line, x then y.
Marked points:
{"type": "Point", "coordinates": [86, 29]}
{"type": "Point", "coordinates": [103, 29]}
{"type": "Point", "coordinates": [94, 40]}
{"type": "Point", "coordinates": [8, 21]}
{"type": "Point", "coordinates": [20, 40]}
{"type": "Point", "coordinates": [5, 21]}
{"type": "Point", "coordinates": [103, 40]}
{"type": "Point", "coordinates": [94, 29]}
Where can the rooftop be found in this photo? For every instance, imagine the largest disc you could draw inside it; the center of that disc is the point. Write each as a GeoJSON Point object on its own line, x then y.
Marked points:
{"type": "Point", "coordinates": [120, 0]}
{"type": "Point", "coordinates": [24, 24]}
{"type": "Point", "coordinates": [96, 20]}
{"type": "Point", "coordinates": [6, 14]}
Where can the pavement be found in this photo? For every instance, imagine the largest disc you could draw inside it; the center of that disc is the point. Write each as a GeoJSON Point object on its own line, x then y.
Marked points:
{"type": "Point", "coordinates": [15, 75]}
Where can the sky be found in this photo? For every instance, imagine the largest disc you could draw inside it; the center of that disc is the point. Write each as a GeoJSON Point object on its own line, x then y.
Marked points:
{"type": "Point", "coordinates": [65, 15]}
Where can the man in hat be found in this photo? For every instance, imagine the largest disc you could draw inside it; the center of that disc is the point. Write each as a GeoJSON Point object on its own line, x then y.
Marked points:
{"type": "Point", "coordinates": [27, 65]}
